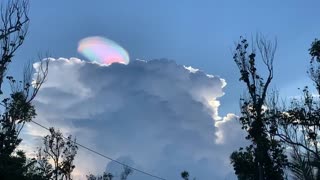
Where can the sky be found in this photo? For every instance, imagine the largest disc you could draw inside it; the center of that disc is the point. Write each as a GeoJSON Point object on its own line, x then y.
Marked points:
{"type": "Point", "coordinates": [200, 34]}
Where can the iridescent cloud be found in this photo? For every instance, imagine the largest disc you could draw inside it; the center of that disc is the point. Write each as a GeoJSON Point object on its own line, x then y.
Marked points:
{"type": "Point", "coordinates": [103, 50]}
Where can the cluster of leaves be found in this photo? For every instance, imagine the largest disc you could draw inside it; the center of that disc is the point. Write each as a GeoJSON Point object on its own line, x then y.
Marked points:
{"type": "Point", "coordinates": [314, 51]}
{"type": "Point", "coordinates": [314, 70]}
{"type": "Point", "coordinates": [243, 163]}
{"type": "Point", "coordinates": [185, 175]}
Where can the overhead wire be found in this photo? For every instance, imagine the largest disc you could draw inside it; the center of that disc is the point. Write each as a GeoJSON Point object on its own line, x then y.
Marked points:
{"type": "Point", "coordinates": [102, 155]}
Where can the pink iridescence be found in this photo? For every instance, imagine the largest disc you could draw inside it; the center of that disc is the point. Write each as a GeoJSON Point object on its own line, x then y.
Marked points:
{"type": "Point", "coordinates": [103, 50]}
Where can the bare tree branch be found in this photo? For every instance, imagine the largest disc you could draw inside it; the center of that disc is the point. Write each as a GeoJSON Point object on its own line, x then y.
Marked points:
{"type": "Point", "coordinates": [13, 30]}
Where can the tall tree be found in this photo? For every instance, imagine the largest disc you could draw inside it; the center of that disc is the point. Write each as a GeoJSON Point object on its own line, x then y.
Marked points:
{"type": "Point", "coordinates": [265, 155]}
{"type": "Point", "coordinates": [17, 109]}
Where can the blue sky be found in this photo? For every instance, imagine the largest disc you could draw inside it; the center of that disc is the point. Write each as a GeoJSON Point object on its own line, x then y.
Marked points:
{"type": "Point", "coordinates": [196, 33]}
{"type": "Point", "coordinates": [200, 34]}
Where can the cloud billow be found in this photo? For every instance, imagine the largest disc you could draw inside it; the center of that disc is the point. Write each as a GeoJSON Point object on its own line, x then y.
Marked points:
{"type": "Point", "coordinates": [158, 114]}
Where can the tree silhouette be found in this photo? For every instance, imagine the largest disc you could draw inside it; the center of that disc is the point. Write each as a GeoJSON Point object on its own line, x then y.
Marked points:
{"type": "Point", "coordinates": [105, 176]}
{"type": "Point", "coordinates": [314, 51]}
{"type": "Point", "coordinates": [185, 175]}
{"type": "Point", "coordinates": [17, 108]}
{"type": "Point", "coordinates": [61, 152]}
{"type": "Point", "coordinates": [108, 176]}
{"type": "Point", "coordinates": [265, 155]}
{"type": "Point", "coordinates": [300, 124]}
{"type": "Point", "coordinates": [13, 30]}
{"type": "Point", "coordinates": [243, 163]}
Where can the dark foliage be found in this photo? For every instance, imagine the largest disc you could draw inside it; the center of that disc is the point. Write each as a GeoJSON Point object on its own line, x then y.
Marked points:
{"type": "Point", "coordinates": [59, 150]}
{"type": "Point", "coordinates": [17, 108]}
{"type": "Point", "coordinates": [314, 51]}
{"type": "Point", "coordinates": [105, 176]}
{"type": "Point", "coordinates": [243, 163]}
{"type": "Point", "coordinates": [265, 155]}
{"type": "Point", "coordinates": [300, 125]}
{"type": "Point", "coordinates": [108, 176]}
{"type": "Point", "coordinates": [185, 175]}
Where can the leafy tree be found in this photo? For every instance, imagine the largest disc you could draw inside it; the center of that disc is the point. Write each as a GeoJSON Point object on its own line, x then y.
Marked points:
{"type": "Point", "coordinates": [14, 21]}
{"type": "Point", "coordinates": [58, 150]}
{"type": "Point", "coordinates": [266, 154]}
{"type": "Point", "coordinates": [17, 109]}
{"type": "Point", "coordinates": [243, 163]}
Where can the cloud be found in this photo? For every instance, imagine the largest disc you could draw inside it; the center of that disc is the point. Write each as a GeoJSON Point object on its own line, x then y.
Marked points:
{"type": "Point", "coordinates": [228, 131]}
{"type": "Point", "coordinates": [159, 116]}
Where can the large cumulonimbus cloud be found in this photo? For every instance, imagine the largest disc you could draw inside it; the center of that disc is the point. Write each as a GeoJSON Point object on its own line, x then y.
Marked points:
{"type": "Point", "coordinates": [155, 115]}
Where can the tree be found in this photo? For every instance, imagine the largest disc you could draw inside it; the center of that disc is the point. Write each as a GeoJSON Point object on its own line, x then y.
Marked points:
{"type": "Point", "coordinates": [17, 109]}
{"type": "Point", "coordinates": [13, 30]}
{"type": "Point", "coordinates": [300, 124]}
{"type": "Point", "coordinates": [105, 176]}
{"type": "Point", "coordinates": [185, 175]}
{"type": "Point", "coordinates": [266, 153]}
{"type": "Point", "coordinates": [314, 70]}
{"type": "Point", "coordinates": [108, 176]}
{"type": "Point", "coordinates": [243, 163]}
{"type": "Point", "coordinates": [314, 51]}
{"type": "Point", "coordinates": [61, 152]}
{"type": "Point", "coordinates": [14, 21]}
{"type": "Point", "coordinates": [300, 167]}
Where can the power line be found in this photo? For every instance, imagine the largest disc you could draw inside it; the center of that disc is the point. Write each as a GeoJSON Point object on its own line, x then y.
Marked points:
{"type": "Point", "coordinates": [102, 155]}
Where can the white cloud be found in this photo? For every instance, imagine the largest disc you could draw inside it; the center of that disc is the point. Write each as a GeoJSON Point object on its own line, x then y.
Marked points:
{"type": "Point", "coordinates": [228, 131]}
{"type": "Point", "coordinates": [191, 69]}
{"type": "Point", "coordinates": [159, 115]}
